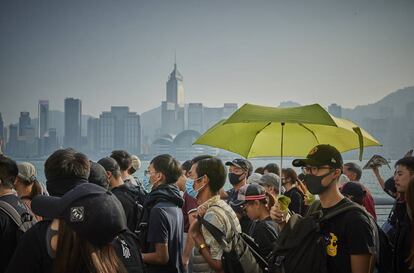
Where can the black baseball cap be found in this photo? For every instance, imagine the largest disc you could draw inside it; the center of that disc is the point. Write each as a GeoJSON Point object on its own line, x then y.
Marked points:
{"type": "Point", "coordinates": [320, 155]}
{"type": "Point", "coordinates": [109, 164]}
{"type": "Point", "coordinates": [241, 163]}
{"type": "Point", "coordinates": [249, 192]}
{"type": "Point", "coordinates": [94, 213]}
{"type": "Point", "coordinates": [97, 175]}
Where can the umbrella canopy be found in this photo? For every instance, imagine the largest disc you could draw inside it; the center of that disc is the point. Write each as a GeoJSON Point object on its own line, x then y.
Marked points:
{"type": "Point", "coordinates": [248, 138]}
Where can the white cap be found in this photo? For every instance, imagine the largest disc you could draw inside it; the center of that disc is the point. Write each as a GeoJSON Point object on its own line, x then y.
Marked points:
{"type": "Point", "coordinates": [135, 162]}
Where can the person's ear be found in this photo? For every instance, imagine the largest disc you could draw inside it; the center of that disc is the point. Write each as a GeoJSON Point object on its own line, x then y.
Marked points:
{"type": "Point", "coordinates": [108, 175]}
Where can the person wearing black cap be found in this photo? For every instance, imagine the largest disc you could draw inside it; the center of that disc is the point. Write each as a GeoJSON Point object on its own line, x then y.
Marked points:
{"type": "Point", "coordinates": [97, 175]}
{"type": "Point", "coordinates": [257, 203]}
{"type": "Point", "coordinates": [239, 170]}
{"type": "Point", "coordinates": [88, 221]}
{"type": "Point", "coordinates": [349, 236]}
{"type": "Point", "coordinates": [129, 195]}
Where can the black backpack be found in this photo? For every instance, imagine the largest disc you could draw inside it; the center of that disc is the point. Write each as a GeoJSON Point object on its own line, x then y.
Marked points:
{"type": "Point", "coordinates": [137, 198]}
{"type": "Point", "coordinates": [302, 248]}
{"type": "Point", "coordinates": [243, 256]}
{"type": "Point", "coordinates": [22, 218]}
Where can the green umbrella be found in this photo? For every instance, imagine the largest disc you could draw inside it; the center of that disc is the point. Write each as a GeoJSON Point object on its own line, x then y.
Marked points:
{"type": "Point", "coordinates": [259, 131]}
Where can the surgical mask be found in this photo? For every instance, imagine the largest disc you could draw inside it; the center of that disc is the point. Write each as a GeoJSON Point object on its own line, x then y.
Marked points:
{"type": "Point", "coordinates": [147, 184]}
{"type": "Point", "coordinates": [189, 187]}
{"type": "Point", "coordinates": [234, 178]}
{"type": "Point", "coordinates": [314, 183]}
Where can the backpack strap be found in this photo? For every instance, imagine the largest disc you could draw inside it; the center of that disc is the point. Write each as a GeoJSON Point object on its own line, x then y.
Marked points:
{"type": "Point", "coordinates": [11, 212]}
{"type": "Point", "coordinates": [346, 206]}
{"type": "Point", "coordinates": [217, 234]}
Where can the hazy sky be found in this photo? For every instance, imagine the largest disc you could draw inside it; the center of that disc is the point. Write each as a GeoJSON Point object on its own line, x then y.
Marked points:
{"type": "Point", "coordinates": [120, 52]}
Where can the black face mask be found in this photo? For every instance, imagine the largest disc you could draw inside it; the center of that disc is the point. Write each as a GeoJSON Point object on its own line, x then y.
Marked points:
{"type": "Point", "coordinates": [234, 178]}
{"type": "Point", "coordinates": [314, 183]}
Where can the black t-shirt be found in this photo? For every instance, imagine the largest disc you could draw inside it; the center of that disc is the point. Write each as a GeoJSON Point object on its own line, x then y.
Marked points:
{"type": "Point", "coordinates": [9, 230]}
{"type": "Point", "coordinates": [264, 234]}
{"type": "Point", "coordinates": [166, 226]}
{"type": "Point", "coordinates": [296, 200]}
{"type": "Point", "coordinates": [349, 233]}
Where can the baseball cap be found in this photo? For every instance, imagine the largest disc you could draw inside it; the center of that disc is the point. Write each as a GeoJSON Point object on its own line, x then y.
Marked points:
{"type": "Point", "coordinates": [135, 162]}
{"type": "Point", "coordinates": [27, 171]}
{"type": "Point", "coordinates": [93, 212]}
{"type": "Point", "coordinates": [97, 175]}
{"type": "Point", "coordinates": [354, 189]}
{"type": "Point", "coordinates": [270, 179]}
{"type": "Point", "coordinates": [320, 155]}
{"type": "Point", "coordinates": [109, 164]}
{"type": "Point", "coordinates": [241, 163]}
{"type": "Point", "coordinates": [249, 192]}
{"type": "Point", "coordinates": [254, 178]}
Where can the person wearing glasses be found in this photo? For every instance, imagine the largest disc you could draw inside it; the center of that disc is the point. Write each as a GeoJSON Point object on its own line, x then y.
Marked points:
{"type": "Point", "coordinates": [349, 236]}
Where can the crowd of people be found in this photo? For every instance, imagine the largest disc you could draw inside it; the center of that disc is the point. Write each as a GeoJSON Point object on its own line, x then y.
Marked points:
{"type": "Point", "coordinates": [98, 217]}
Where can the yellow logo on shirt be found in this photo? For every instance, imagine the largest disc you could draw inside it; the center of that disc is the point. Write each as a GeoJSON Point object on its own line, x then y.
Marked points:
{"type": "Point", "coordinates": [331, 248]}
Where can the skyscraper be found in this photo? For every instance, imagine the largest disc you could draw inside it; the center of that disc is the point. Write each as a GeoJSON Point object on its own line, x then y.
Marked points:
{"type": "Point", "coordinates": [119, 129]}
{"type": "Point", "coordinates": [25, 122]}
{"type": "Point", "coordinates": [195, 117]}
{"type": "Point", "coordinates": [73, 123]}
{"type": "Point", "coordinates": [43, 117]}
{"type": "Point", "coordinates": [172, 109]}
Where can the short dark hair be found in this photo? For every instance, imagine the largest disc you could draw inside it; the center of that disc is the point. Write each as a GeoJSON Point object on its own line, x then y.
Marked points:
{"type": "Point", "coordinates": [167, 165]}
{"type": "Point", "coordinates": [259, 170]}
{"type": "Point", "coordinates": [215, 170]}
{"type": "Point", "coordinates": [123, 158]}
{"type": "Point", "coordinates": [272, 168]}
{"type": "Point", "coordinates": [8, 171]}
{"type": "Point", "coordinates": [186, 166]}
{"type": "Point", "coordinates": [407, 162]}
{"type": "Point", "coordinates": [200, 157]}
{"type": "Point", "coordinates": [291, 173]}
{"type": "Point", "coordinates": [355, 168]}
{"type": "Point", "coordinates": [66, 163]}
{"type": "Point", "coordinates": [110, 165]}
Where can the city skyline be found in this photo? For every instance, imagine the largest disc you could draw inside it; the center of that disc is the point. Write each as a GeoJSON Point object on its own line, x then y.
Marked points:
{"type": "Point", "coordinates": [348, 52]}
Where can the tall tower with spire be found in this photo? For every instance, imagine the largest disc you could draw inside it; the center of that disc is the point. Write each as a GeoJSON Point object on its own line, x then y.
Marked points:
{"type": "Point", "coordinates": [172, 117]}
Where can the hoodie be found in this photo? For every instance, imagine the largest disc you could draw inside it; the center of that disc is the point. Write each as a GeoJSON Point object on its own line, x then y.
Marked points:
{"type": "Point", "coordinates": [164, 193]}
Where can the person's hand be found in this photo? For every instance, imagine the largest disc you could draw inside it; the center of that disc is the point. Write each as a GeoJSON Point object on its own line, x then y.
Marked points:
{"type": "Point", "coordinates": [375, 169]}
{"type": "Point", "coordinates": [309, 198]}
{"type": "Point", "coordinates": [201, 211]}
{"type": "Point", "coordinates": [185, 260]}
{"type": "Point", "coordinates": [278, 215]}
